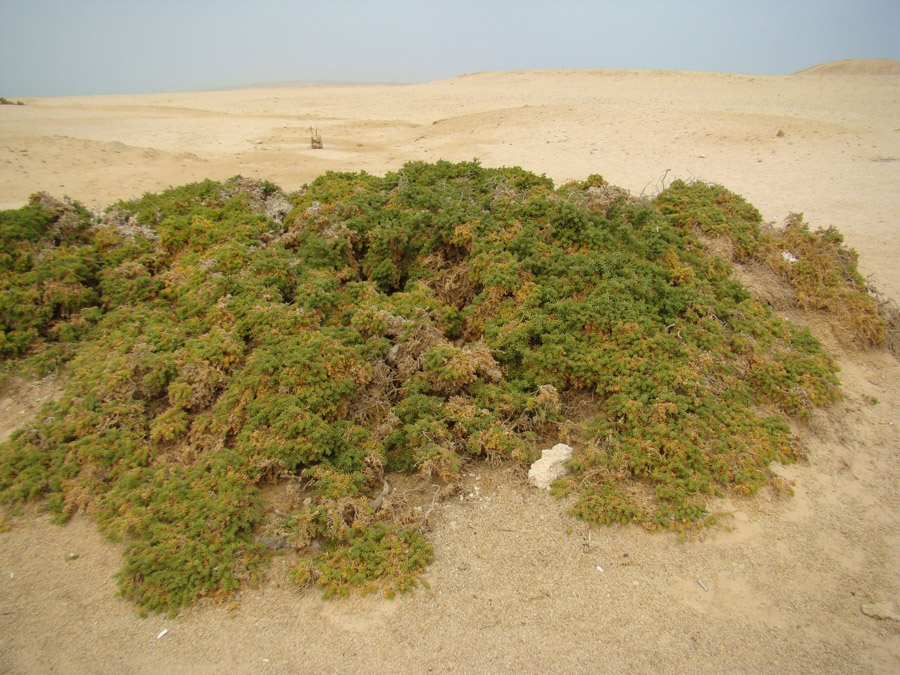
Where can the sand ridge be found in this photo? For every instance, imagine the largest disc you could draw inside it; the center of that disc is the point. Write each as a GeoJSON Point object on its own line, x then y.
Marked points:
{"type": "Point", "coordinates": [855, 67]}
{"type": "Point", "coordinates": [836, 162]}
{"type": "Point", "coordinates": [517, 584]}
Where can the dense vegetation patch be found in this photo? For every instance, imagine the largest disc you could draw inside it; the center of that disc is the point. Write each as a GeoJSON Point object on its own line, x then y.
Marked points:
{"type": "Point", "coordinates": [221, 337]}
{"type": "Point", "coordinates": [820, 271]}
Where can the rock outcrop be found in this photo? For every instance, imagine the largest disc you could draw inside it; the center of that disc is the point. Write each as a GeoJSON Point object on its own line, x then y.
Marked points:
{"type": "Point", "coordinates": [550, 466]}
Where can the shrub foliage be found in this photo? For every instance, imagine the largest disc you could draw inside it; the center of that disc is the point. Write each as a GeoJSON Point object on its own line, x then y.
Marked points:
{"type": "Point", "coordinates": [221, 336]}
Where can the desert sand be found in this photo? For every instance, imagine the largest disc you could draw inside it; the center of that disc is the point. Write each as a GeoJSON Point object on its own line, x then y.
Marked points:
{"type": "Point", "coordinates": [787, 584]}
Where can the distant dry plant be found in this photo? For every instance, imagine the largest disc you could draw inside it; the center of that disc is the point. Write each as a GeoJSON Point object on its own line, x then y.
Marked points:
{"type": "Point", "coordinates": [315, 139]}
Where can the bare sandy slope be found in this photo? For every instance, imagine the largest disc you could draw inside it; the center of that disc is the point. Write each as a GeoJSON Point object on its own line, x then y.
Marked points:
{"type": "Point", "coordinates": [838, 161]}
{"type": "Point", "coordinates": [518, 584]}
{"type": "Point", "coordinates": [855, 67]}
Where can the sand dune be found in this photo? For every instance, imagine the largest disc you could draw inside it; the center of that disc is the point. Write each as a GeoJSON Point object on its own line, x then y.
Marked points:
{"type": "Point", "coordinates": [517, 584]}
{"type": "Point", "coordinates": [837, 161]}
{"type": "Point", "coordinates": [855, 67]}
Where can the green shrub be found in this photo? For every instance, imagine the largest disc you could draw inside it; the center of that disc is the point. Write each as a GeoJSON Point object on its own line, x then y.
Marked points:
{"type": "Point", "coordinates": [442, 313]}
{"type": "Point", "coordinates": [821, 271]}
{"type": "Point", "coordinates": [378, 557]}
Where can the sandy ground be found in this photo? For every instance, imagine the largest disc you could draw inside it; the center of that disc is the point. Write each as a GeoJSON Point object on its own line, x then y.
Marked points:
{"type": "Point", "coordinates": [518, 585]}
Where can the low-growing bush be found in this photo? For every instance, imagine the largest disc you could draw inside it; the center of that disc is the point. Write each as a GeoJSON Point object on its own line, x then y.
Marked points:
{"type": "Point", "coordinates": [219, 338]}
{"type": "Point", "coordinates": [821, 271]}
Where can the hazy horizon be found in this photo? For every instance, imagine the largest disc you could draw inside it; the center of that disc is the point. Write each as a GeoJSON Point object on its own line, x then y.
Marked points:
{"type": "Point", "coordinates": [59, 48]}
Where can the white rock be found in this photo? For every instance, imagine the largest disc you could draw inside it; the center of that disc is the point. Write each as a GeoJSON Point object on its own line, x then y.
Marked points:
{"type": "Point", "coordinates": [550, 466]}
{"type": "Point", "coordinates": [789, 257]}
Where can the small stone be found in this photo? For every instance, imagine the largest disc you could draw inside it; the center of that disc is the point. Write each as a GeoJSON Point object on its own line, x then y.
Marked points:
{"type": "Point", "coordinates": [550, 466]}
{"type": "Point", "coordinates": [273, 543]}
{"type": "Point", "coordinates": [882, 610]}
{"type": "Point", "coordinates": [392, 355]}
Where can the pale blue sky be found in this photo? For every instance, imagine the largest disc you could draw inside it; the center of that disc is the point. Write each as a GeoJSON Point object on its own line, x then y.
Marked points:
{"type": "Point", "coordinates": [62, 47]}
